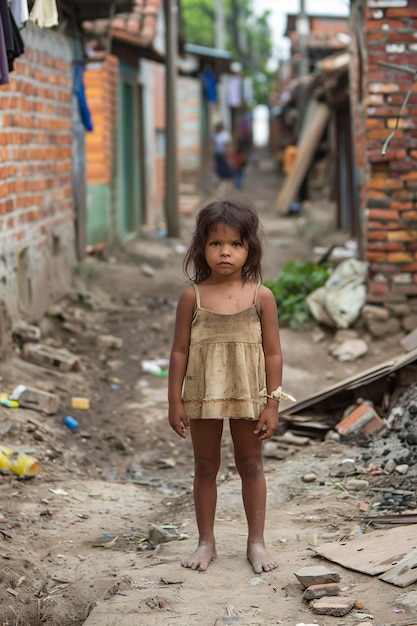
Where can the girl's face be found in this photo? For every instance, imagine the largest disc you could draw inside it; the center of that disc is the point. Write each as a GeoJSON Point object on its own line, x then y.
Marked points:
{"type": "Point", "coordinates": [225, 251]}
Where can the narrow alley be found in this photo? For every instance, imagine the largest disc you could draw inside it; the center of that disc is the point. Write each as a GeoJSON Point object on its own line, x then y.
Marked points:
{"type": "Point", "coordinates": [97, 536]}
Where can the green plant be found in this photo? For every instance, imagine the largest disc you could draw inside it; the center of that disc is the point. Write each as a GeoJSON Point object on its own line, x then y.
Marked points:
{"type": "Point", "coordinates": [295, 281]}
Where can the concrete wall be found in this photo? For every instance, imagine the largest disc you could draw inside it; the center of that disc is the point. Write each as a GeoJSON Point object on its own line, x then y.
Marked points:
{"type": "Point", "coordinates": [37, 240]}
{"type": "Point", "coordinates": [388, 183]}
{"type": "Point", "coordinates": [189, 124]}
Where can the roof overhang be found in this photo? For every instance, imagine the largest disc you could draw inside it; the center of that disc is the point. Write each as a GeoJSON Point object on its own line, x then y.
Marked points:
{"type": "Point", "coordinates": [218, 59]}
{"type": "Point", "coordinates": [84, 10]}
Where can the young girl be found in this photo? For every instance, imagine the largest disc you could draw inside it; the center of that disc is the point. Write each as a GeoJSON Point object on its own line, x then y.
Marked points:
{"type": "Point", "coordinates": [226, 348]}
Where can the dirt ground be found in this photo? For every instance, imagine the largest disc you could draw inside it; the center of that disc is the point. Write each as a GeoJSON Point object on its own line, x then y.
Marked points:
{"type": "Point", "coordinates": [78, 540]}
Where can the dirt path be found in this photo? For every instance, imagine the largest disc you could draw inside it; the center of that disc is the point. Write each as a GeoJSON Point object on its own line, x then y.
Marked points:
{"type": "Point", "coordinates": [75, 543]}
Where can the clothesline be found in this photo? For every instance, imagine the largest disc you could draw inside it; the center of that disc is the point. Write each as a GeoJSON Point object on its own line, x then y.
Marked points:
{"type": "Point", "coordinates": [44, 13]}
{"type": "Point", "coordinates": [14, 15]}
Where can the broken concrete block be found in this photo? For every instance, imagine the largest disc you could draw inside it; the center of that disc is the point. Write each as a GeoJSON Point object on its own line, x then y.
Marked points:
{"type": "Point", "coordinates": [53, 357]}
{"type": "Point", "coordinates": [316, 575]}
{"type": "Point", "coordinates": [26, 332]}
{"type": "Point", "coordinates": [109, 341]}
{"type": "Point", "coordinates": [336, 606]}
{"type": "Point", "coordinates": [364, 418]}
{"type": "Point", "coordinates": [35, 399]}
{"type": "Point", "coordinates": [320, 591]}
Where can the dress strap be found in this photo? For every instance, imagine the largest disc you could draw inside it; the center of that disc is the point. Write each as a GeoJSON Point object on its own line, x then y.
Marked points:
{"type": "Point", "coordinates": [197, 295]}
{"type": "Point", "coordinates": [255, 295]}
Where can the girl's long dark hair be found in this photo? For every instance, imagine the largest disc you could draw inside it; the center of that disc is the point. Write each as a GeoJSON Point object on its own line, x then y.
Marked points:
{"type": "Point", "coordinates": [237, 215]}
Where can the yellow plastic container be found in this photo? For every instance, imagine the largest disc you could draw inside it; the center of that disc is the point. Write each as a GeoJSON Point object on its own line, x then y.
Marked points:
{"type": "Point", "coordinates": [80, 403]}
{"type": "Point", "coordinates": [25, 465]}
{"type": "Point", "coordinates": [4, 461]}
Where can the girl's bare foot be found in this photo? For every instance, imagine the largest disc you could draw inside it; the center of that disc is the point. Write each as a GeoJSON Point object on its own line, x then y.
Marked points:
{"type": "Point", "coordinates": [201, 558]}
{"type": "Point", "coordinates": [260, 559]}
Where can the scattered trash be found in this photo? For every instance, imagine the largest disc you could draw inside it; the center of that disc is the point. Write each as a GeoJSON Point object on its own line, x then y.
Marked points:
{"type": "Point", "coordinates": [71, 423]}
{"type": "Point", "coordinates": [107, 544]}
{"type": "Point", "coordinates": [24, 465]}
{"type": "Point", "coordinates": [36, 399]}
{"type": "Point", "coordinates": [11, 404]}
{"type": "Point", "coordinates": [142, 383]}
{"type": "Point", "coordinates": [5, 456]}
{"type": "Point", "coordinates": [339, 302]}
{"type": "Point", "coordinates": [19, 463]}
{"type": "Point", "coordinates": [157, 367]}
{"type": "Point", "coordinates": [80, 403]}
{"type": "Point", "coordinates": [59, 492]}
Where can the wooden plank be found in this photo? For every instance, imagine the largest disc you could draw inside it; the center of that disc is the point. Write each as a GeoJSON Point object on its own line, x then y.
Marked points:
{"type": "Point", "coordinates": [404, 573]}
{"type": "Point", "coordinates": [373, 553]}
{"type": "Point", "coordinates": [316, 118]}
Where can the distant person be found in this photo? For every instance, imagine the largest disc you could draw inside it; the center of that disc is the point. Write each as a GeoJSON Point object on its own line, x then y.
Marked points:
{"type": "Point", "coordinates": [226, 349]}
{"type": "Point", "coordinates": [221, 148]}
{"type": "Point", "coordinates": [239, 164]}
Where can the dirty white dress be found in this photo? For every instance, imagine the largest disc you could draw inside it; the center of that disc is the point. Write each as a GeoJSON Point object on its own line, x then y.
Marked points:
{"type": "Point", "coordinates": [226, 364]}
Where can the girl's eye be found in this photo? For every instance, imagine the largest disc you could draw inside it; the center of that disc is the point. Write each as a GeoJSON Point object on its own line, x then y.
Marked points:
{"type": "Point", "coordinates": [238, 244]}
{"type": "Point", "coordinates": [214, 243]}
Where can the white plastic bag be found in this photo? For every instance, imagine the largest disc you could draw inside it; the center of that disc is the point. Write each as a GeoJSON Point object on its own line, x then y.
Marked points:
{"type": "Point", "coordinates": [339, 302]}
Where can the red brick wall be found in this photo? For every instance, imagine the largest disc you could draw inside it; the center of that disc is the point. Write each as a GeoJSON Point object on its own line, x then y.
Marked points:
{"type": "Point", "coordinates": [36, 195]}
{"type": "Point", "coordinates": [101, 85]}
{"type": "Point", "coordinates": [36, 148]}
{"type": "Point", "coordinates": [388, 184]}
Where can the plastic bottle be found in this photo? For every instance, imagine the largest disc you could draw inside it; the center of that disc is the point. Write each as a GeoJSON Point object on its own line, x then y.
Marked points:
{"type": "Point", "coordinates": [71, 423]}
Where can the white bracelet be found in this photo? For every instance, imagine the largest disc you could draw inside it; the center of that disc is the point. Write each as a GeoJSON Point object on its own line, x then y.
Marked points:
{"type": "Point", "coordinates": [278, 394]}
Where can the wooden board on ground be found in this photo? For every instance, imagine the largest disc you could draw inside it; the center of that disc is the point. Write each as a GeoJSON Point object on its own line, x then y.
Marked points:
{"type": "Point", "coordinates": [373, 553]}
{"type": "Point", "coordinates": [404, 573]}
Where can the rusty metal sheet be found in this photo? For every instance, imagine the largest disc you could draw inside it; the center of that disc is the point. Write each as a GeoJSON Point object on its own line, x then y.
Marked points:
{"type": "Point", "coordinates": [403, 574]}
{"type": "Point", "coordinates": [373, 553]}
{"type": "Point", "coordinates": [326, 397]}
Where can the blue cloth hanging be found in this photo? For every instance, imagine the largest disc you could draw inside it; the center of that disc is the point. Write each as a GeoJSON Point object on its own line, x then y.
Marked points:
{"type": "Point", "coordinates": [80, 93]}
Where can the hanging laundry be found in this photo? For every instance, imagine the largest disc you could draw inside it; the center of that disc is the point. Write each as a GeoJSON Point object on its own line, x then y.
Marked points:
{"type": "Point", "coordinates": [44, 13]}
{"type": "Point", "coordinates": [20, 12]}
{"type": "Point", "coordinates": [80, 93]}
{"type": "Point", "coordinates": [209, 81]}
{"type": "Point", "coordinates": [4, 62]}
{"type": "Point", "coordinates": [234, 91]}
{"type": "Point", "coordinates": [12, 38]}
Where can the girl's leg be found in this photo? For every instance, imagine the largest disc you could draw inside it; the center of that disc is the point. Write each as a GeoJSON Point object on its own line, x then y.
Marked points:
{"type": "Point", "coordinates": [206, 437]}
{"type": "Point", "coordinates": [249, 463]}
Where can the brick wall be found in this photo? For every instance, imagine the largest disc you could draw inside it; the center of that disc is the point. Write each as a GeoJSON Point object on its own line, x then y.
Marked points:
{"type": "Point", "coordinates": [101, 84]}
{"type": "Point", "coordinates": [388, 184]}
{"type": "Point", "coordinates": [36, 197]}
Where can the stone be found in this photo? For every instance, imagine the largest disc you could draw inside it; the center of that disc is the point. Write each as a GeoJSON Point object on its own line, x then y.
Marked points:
{"type": "Point", "coordinates": [109, 341]}
{"type": "Point", "coordinates": [409, 322]}
{"type": "Point", "coordinates": [320, 591]}
{"type": "Point", "coordinates": [383, 329]}
{"type": "Point", "coordinates": [336, 606]}
{"type": "Point", "coordinates": [374, 312]}
{"type": "Point", "coordinates": [316, 575]}
{"type": "Point", "coordinates": [357, 484]}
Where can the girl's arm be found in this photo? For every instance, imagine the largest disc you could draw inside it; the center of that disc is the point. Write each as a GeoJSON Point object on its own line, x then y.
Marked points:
{"type": "Point", "coordinates": [178, 361]}
{"type": "Point", "coordinates": [268, 419]}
